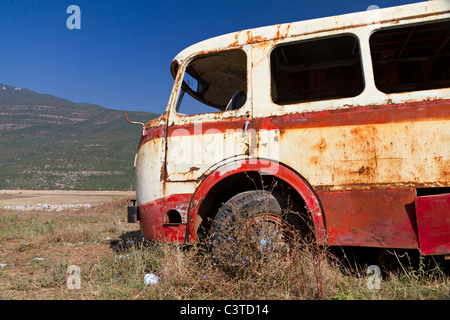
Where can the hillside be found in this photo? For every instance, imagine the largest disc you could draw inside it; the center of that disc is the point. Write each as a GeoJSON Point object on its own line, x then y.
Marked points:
{"type": "Point", "coordinates": [51, 143]}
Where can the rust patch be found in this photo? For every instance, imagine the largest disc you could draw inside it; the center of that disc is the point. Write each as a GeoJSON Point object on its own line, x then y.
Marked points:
{"type": "Point", "coordinates": [443, 168]}
{"type": "Point", "coordinates": [163, 173]}
{"type": "Point", "coordinates": [322, 144]}
{"type": "Point", "coordinates": [254, 39]}
{"type": "Point", "coordinates": [365, 170]}
{"type": "Point", "coordinates": [236, 40]}
{"type": "Point", "coordinates": [314, 159]}
{"type": "Point", "coordinates": [364, 132]}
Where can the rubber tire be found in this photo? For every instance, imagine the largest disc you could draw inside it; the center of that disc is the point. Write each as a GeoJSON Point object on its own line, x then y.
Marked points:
{"type": "Point", "coordinates": [239, 209]}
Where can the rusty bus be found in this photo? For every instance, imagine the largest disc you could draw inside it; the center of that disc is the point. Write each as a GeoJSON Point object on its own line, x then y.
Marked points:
{"type": "Point", "coordinates": [344, 119]}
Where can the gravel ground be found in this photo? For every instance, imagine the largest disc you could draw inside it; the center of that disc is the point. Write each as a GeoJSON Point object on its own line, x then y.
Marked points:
{"type": "Point", "coordinates": [28, 200]}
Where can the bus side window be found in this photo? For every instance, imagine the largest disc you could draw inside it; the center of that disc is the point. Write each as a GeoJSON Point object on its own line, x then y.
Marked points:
{"type": "Point", "coordinates": [319, 69]}
{"type": "Point", "coordinates": [412, 58]}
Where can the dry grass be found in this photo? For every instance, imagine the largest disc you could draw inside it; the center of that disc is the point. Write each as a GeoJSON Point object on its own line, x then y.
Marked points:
{"type": "Point", "coordinates": [113, 259]}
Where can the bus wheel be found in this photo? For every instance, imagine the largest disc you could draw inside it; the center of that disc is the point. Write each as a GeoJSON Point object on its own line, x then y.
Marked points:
{"type": "Point", "coordinates": [250, 226]}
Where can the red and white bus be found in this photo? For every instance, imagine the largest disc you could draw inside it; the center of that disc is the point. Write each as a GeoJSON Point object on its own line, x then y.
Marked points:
{"type": "Point", "coordinates": [344, 119]}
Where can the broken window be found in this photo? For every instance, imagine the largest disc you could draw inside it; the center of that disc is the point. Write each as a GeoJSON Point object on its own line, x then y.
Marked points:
{"type": "Point", "coordinates": [214, 82]}
{"type": "Point", "coordinates": [328, 68]}
{"type": "Point", "coordinates": [412, 58]}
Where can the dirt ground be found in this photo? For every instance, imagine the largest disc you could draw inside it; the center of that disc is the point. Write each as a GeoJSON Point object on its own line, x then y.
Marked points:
{"type": "Point", "coordinates": [39, 249]}
{"type": "Point", "coordinates": [34, 197]}
{"type": "Point", "coordinates": [38, 245]}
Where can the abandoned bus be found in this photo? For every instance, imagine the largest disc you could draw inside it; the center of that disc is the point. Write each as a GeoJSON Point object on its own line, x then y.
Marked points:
{"type": "Point", "coordinates": [343, 120]}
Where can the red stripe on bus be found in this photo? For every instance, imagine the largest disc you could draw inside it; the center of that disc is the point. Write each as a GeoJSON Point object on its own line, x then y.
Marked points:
{"type": "Point", "coordinates": [375, 114]}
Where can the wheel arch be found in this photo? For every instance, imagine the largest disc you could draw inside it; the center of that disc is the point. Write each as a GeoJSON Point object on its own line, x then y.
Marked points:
{"type": "Point", "coordinates": [250, 174]}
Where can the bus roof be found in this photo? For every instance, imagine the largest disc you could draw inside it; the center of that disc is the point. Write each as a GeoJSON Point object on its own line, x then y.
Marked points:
{"type": "Point", "coordinates": [421, 11]}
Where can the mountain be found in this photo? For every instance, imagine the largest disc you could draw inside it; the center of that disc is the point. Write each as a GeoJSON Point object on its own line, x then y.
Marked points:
{"type": "Point", "coordinates": [52, 143]}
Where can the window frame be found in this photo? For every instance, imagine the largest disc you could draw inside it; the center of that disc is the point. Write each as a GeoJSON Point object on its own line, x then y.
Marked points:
{"type": "Point", "coordinates": [179, 79]}
{"type": "Point", "coordinates": [312, 39]}
{"type": "Point", "coordinates": [403, 25]}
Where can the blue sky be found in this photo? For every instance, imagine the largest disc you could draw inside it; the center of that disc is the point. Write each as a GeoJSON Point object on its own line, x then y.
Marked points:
{"type": "Point", "coordinates": [120, 57]}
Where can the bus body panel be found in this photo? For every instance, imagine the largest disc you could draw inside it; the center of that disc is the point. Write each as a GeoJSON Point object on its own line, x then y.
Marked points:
{"type": "Point", "coordinates": [433, 222]}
